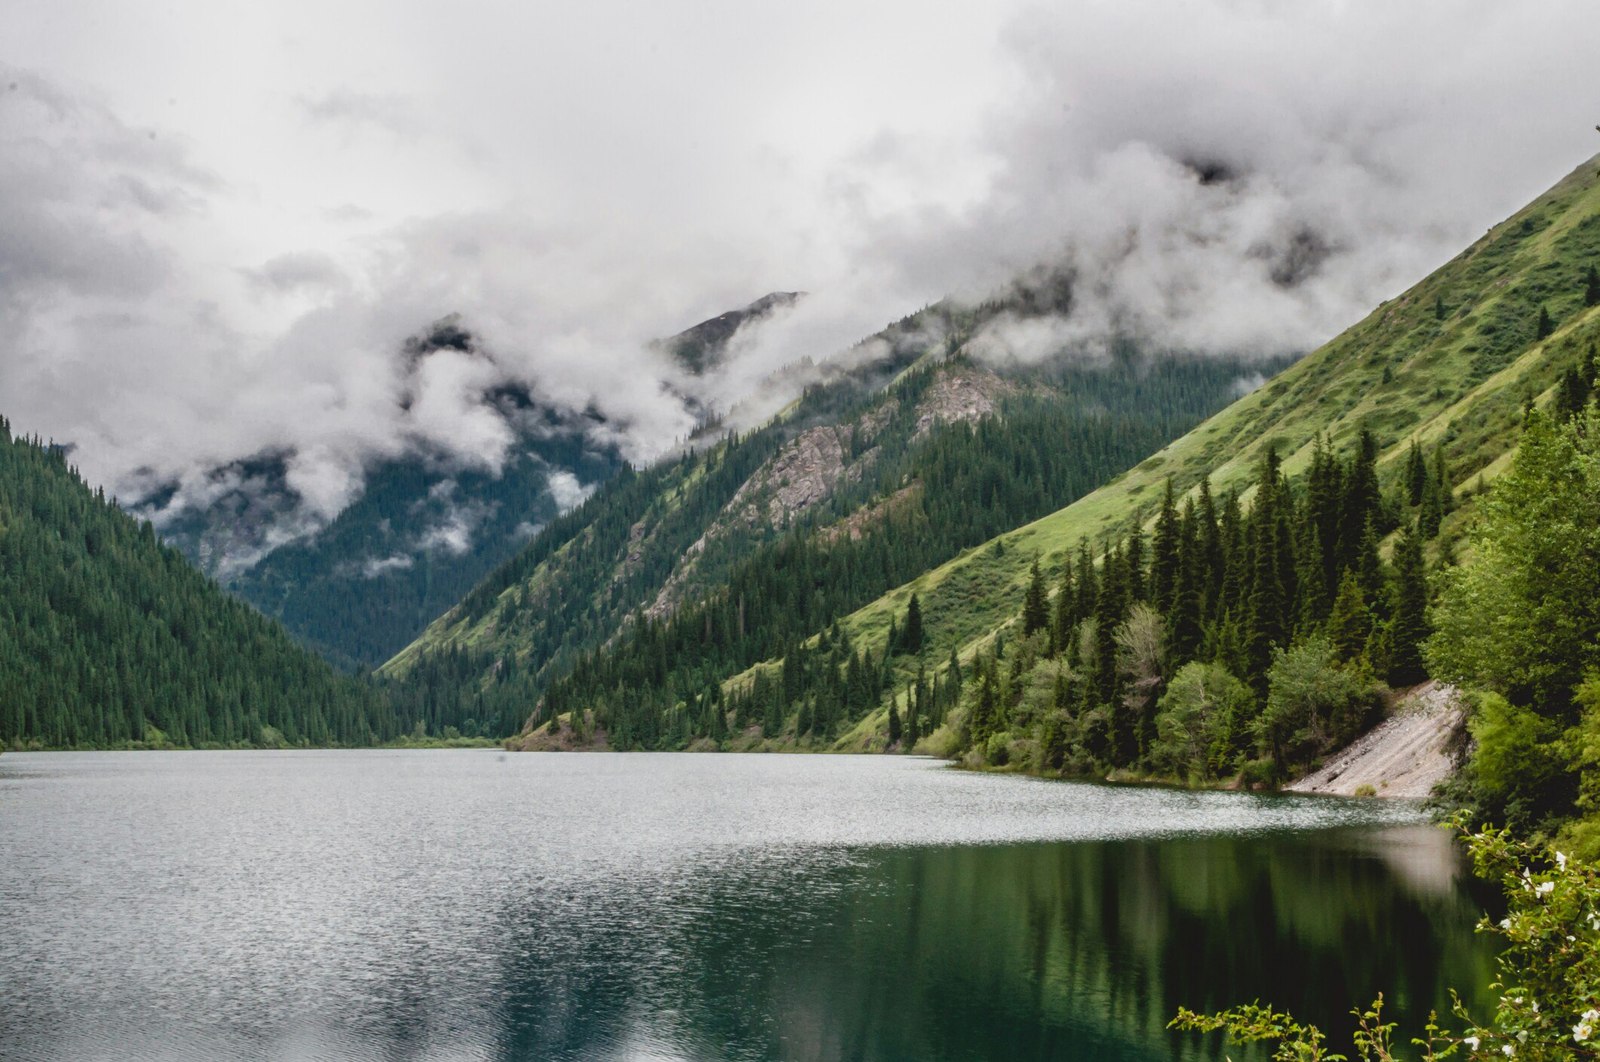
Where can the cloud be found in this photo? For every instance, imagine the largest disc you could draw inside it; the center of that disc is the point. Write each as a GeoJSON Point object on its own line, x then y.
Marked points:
{"type": "Point", "coordinates": [1208, 176]}
{"type": "Point", "coordinates": [353, 111]}
{"type": "Point", "coordinates": [566, 491]}
{"type": "Point", "coordinates": [376, 566]}
{"type": "Point", "coordinates": [298, 271]}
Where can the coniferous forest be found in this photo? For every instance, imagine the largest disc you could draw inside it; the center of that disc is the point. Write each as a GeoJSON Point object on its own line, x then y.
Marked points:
{"type": "Point", "coordinates": [109, 638]}
{"type": "Point", "coordinates": [929, 495]}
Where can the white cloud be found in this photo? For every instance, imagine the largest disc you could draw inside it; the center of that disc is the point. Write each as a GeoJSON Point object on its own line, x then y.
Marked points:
{"type": "Point", "coordinates": [213, 252]}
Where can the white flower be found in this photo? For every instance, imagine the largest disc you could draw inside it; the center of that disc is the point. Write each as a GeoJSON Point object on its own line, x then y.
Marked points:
{"type": "Point", "coordinates": [1561, 860]}
{"type": "Point", "coordinates": [1546, 888]}
{"type": "Point", "coordinates": [1471, 1042]}
{"type": "Point", "coordinates": [1505, 923]}
{"type": "Point", "coordinates": [1508, 1050]}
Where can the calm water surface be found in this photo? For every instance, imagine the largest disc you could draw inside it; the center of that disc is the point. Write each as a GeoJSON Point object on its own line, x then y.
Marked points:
{"type": "Point", "coordinates": [476, 905]}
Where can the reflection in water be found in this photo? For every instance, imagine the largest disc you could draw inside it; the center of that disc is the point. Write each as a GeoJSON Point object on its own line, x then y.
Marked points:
{"type": "Point", "coordinates": [1041, 950]}
{"type": "Point", "coordinates": [460, 905]}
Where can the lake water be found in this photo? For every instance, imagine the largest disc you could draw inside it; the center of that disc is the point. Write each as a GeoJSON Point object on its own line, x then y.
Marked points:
{"type": "Point", "coordinates": [477, 905]}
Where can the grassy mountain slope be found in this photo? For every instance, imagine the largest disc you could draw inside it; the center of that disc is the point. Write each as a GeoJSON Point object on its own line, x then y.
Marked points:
{"type": "Point", "coordinates": [109, 638]}
{"type": "Point", "coordinates": [1451, 362]}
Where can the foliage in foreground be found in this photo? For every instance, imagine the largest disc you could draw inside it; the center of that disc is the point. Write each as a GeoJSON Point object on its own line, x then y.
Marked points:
{"type": "Point", "coordinates": [1519, 624]}
{"type": "Point", "coordinates": [1548, 986]}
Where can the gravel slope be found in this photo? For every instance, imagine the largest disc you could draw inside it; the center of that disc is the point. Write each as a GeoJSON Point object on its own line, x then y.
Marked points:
{"type": "Point", "coordinates": [1404, 756]}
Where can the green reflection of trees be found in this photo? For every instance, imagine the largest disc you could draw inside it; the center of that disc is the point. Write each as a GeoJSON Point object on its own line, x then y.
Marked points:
{"type": "Point", "coordinates": [1058, 951]}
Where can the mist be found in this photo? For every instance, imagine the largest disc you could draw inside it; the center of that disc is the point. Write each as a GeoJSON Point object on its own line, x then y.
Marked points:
{"type": "Point", "coordinates": [211, 255]}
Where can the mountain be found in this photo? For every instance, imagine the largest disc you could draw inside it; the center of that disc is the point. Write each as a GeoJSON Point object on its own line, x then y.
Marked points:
{"type": "Point", "coordinates": [906, 454]}
{"type": "Point", "coordinates": [1321, 505]}
{"type": "Point", "coordinates": [426, 526]}
{"type": "Point", "coordinates": [109, 638]}
{"type": "Point", "coordinates": [1343, 466]}
{"type": "Point", "coordinates": [705, 346]}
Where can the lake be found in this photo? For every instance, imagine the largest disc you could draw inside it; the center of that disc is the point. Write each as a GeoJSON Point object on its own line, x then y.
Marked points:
{"type": "Point", "coordinates": [473, 904]}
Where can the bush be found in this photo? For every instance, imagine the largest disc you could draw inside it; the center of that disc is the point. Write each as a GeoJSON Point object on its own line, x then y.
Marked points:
{"type": "Point", "coordinates": [1313, 703]}
{"type": "Point", "coordinates": [1199, 722]}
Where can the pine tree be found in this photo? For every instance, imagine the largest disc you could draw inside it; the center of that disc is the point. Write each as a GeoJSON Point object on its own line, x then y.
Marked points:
{"type": "Point", "coordinates": [1546, 325]}
{"type": "Point", "coordinates": [1164, 553]}
{"type": "Point", "coordinates": [911, 636]}
{"type": "Point", "coordinates": [1350, 623]}
{"type": "Point", "coordinates": [1066, 610]}
{"type": "Point", "coordinates": [894, 724]}
{"type": "Point", "coordinates": [1035, 606]}
{"type": "Point", "coordinates": [914, 713]}
{"type": "Point", "coordinates": [1185, 627]}
{"type": "Point", "coordinates": [1591, 287]}
{"type": "Point", "coordinates": [1416, 478]}
{"type": "Point", "coordinates": [1409, 626]}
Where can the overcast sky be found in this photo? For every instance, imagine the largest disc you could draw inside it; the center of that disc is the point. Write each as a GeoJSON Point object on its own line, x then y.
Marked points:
{"type": "Point", "coordinates": [221, 220]}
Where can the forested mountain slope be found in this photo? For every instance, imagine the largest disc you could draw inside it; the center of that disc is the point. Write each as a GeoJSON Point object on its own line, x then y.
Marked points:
{"type": "Point", "coordinates": [1300, 515]}
{"type": "Point", "coordinates": [761, 537]}
{"type": "Point", "coordinates": [109, 638]}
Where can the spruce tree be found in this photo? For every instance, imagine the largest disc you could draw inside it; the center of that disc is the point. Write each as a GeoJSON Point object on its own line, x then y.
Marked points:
{"type": "Point", "coordinates": [1035, 606]}
{"type": "Point", "coordinates": [1416, 479]}
{"type": "Point", "coordinates": [913, 721]}
{"type": "Point", "coordinates": [1164, 553]}
{"type": "Point", "coordinates": [1409, 626]}
{"type": "Point", "coordinates": [1546, 324]}
{"type": "Point", "coordinates": [1350, 623]}
{"type": "Point", "coordinates": [1065, 616]}
{"type": "Point", "coordinates": [894, 723]}
{"type": "Point", "coordinates": [1185, 627]}
{"type": "Point", "coordinates": [1591, 287]}
{"type": "Point", "coordinates": [911, 636]}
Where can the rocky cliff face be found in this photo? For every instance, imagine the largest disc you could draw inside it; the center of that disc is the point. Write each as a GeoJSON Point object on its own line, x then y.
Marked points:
{"type": "Point", "coordinates": [811, 468]}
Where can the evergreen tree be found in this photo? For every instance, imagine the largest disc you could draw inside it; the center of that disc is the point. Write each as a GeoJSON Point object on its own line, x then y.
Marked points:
{"type": "Point", "coordinates": [1035, 606]}
{"type": "Point", "coordinates": [1350, 623]}
{"type": "Point", "coordinates": [1164, 553]}
{"type": "Point", "coordinates": [1409, 624]}
{"type": "Point", "coordinates": [1546, 325]}
{"type": "Point", "coordinates": [1591, 287]}
{"type": "Point", "coordinates": [911, 635]}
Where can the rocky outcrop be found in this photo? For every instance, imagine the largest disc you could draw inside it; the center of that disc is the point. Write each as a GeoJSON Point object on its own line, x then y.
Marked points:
{"type": "Point", "coordinates": [962, 393]}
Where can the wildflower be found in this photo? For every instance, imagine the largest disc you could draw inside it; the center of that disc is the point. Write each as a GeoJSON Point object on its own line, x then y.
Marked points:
{"type": "Point", "coordinates": [1546, 888]}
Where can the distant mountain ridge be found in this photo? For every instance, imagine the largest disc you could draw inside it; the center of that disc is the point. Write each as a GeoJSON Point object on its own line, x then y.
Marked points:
{"type": "Point", "coordinates": [425, 527]}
